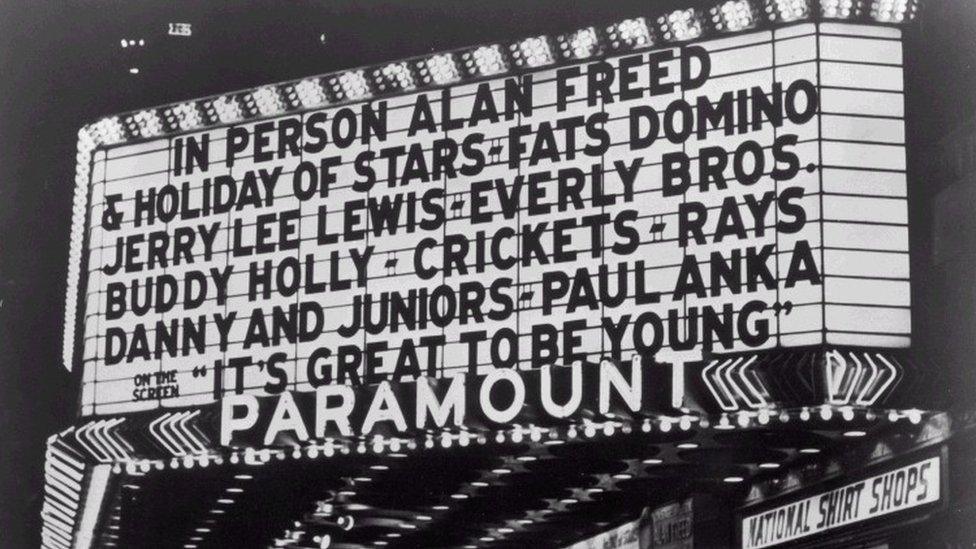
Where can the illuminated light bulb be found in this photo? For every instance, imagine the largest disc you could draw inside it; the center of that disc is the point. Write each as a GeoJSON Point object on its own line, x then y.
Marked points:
{"type": "Point", "coordinates": [646, 426]}
{"type": "Point", "coordinates": [826, 413]}
{"type": "Point", "coordinates": [438, 69]}
{"type": "Point", "coordinates": [839, 9]}
{"type": "Point", "coordinates": [351, 85]}
{"type": "Point", "coordinates": [914, 416]}
{"type": "Point", "coordinates": [665, 426]}
{"type": "Point", "coordinates": [446, 441]}
{"type": "Point", "coordinates": [847, 413]}
{"type": "Point", "coordinates": [499, 437]}
{"type": "Point", "coordinates": [377, 447]}
{"type": "Point", "coordinates": [630, 34]}
{"type": "Point", "coordinates": [464, 440]}
{"type": "Point", "coordinates": [395, 446]}
{"type": "Point", "coordinates": [582, 44]}
{"type": "Point", "coordinates": [680, 25]}
{"type": "Point", "coordinates": [787, 10]}
{"type": "Point", "coordinates": [394, 77]}
{"type": "Point", "coordinates": [742, 419]}
{"type": "Point", "coordinates": [485, 61]}
{"type": "Point", "coordinates": [307, 93]}
{"type": "Point", "coordinates": [724, 423]}
{"type": "Point", "coordinates": [784, 417]}
{"type": "Point", "coordinates": [224, 109]}
{"type": "Point", "coordinates": [535, 435]}
{"type": "Point", "coordinates": [312, 452]}
{"type": "Point", "coordinates": [608, 429]}
{"type": "Point", "coordinates": [532, 52]}
{"type": "Point", "coordinates": [733, 16]}
{"type": "Point", "coordinates": [589, 431]}
{"type": "Point", "coordinates": [571, 432]}
{"type": "Point", "coordinates": [805, 414]}
{"type": "Point", "coordinates": [234, 458]}
{"type": "Point", "coordinates": [188, 462]}
{"type": "Point", "coordinates": [893, 11]}
{"type": "Point", "coordinates": [516, 435]}
{"type": "Point", "coordinates": [684, 423]}
{"type": "Point", "coordinates": [361, 448]}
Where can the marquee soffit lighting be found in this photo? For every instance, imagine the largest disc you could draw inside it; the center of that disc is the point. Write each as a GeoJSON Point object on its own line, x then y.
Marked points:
{"type": "Point", "coordinates": [427, 72]}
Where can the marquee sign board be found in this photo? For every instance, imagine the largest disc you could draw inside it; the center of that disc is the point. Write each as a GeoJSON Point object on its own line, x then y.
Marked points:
{"type": "Point", "coordinates": [739, 193]}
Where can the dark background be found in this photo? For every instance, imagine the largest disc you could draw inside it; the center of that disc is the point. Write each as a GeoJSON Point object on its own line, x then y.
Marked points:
{"type": "Point", "coordinates": [62, 66]}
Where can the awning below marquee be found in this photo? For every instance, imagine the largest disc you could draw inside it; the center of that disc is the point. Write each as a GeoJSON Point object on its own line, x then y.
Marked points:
{"type": "Point", "coordinates": [541, 487]}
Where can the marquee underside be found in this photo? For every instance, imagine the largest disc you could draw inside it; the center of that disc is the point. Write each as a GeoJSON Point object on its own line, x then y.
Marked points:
{"type": "Point", "coordinates": [546, 493]}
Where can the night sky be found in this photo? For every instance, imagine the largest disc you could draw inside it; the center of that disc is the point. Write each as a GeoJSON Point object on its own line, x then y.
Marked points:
{"type": "Point", "coordinates": [62, 66]}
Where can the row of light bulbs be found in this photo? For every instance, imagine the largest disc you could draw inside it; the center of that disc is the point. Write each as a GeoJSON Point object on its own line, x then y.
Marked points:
{"type": "Point", "coordinates": [379, 444]}
{"type": "Point", "coordinates": [490, 60]}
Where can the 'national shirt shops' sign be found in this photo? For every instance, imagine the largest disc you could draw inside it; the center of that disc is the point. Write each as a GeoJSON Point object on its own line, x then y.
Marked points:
{"type": "Point", "coordinates": [904, 488]}
{"type": "Point", "coordinates": [742, 193]}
